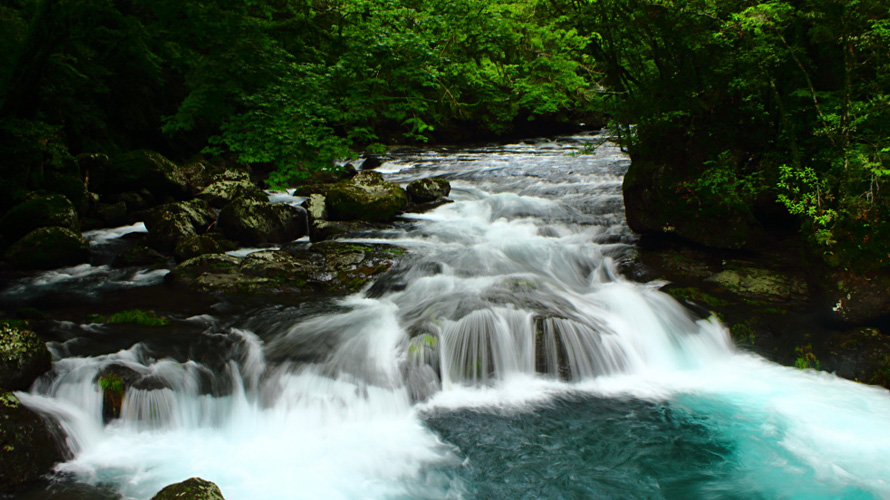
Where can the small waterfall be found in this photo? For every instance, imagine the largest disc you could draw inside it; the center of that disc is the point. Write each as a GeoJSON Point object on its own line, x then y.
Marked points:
{"type": "Point", "coordinates": [507, 299]}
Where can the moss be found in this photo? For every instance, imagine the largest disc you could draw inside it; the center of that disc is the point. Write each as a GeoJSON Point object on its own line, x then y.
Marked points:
{"type": "Point", "coordinates": [138, 317]}
{"type": "Point", "coordinates": [111, 382]}
{"type": "Point", "coordinates": [805, 358]}
{"type": "Point", "coordinates": [15, 323]}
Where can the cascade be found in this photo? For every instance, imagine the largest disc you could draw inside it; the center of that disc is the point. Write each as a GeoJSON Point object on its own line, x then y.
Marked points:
{"type": "Point", "coordinates": [505, 357]}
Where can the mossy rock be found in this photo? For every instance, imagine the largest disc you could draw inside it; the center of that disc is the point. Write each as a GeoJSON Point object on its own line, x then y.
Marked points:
{"type": "Point", "coordinates": [23, 358]}
{"type": "Point", "coordinates": [71, 187]}
{"type": "Point", "coordinates": [114, 380]}
{"type": "Point", "coordinates": [141, 169]}
{"type": "Point", "coordinates": [172, 223]}
{"type": "Point", "coordinates": [38, 210]}
{"type": "Point", "coordinates": [140, 255]}
{"type": "Point", "coordinates": [425, 190]}
{"type": "Point", "coordinates": [195, 245]}
{"type": "Point", "coordinates": [657, 201]}
{"type": "Point", "coordinates": [221, 193]}
{"type": "Point", "coordinates": [367, 196]}
{"type": "Point", "coordinates": [48, 248]}
{"type": "Point", "coordinates": [27, 448]}
{"type": "Point", "coordinates": [191, 489]}
{"type": "Point", "coordinates": [857, 298]}
{"type": "Point", "coordinates": [253, 222]}
{"type": "Point", "coordinates": [761, 284]}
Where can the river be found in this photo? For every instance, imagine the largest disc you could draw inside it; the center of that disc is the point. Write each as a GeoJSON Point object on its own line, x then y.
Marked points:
{"type": "Point", "coordinates": [504, 357]}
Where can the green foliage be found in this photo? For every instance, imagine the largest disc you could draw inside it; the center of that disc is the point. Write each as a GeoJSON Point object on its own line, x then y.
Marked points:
{"type": "Point", "coordinates": [137, 317]}
{"type": "Point", "coordinates": [805, 358]}
{"type": "Point", "coordinates": [112, 383]}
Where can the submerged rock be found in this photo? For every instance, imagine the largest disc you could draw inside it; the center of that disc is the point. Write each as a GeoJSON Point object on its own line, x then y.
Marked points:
{"type": "Point", "coordinates": [38, 210]}
{"type": "Point", "coordinates": [425, 190]}
{"type": "Point", "coordinates": [191, 489]}
{"type": "Point", "coordinates": [367, 196]}
{"type": "Point", "coordinates": [49, 248]}
{"type": "Point", "coordinates": [253, 222]}
{"type": "Point", "coordinates": [27, 448]}
{"type": "Point", "coordinates": [23, 358]}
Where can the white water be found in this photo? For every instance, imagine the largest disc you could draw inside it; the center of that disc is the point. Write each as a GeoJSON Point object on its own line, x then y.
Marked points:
{"type": "Point", "coordinates": [488, 272]}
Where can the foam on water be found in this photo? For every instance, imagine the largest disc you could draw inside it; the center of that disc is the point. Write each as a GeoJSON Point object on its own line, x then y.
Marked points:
{"type": "Point", "coordinates": [506, 302]}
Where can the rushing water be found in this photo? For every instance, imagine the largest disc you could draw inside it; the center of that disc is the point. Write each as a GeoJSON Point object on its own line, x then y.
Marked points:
{"type": "Point", "coordinates": [504, 358]}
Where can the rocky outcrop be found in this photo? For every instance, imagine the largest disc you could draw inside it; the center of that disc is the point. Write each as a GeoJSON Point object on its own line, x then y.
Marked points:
{"type": "Point", "coordinates": [191, 489]}
{"type": "Point", "coordinates": [367, 196]}
{"type": "Point", "coordinates": [48, 248]}
{"type": "Point", "coordinates": [23, 358]}
{"type": "Point", "coordinates": [27, 448]}
{"type": "Point", "coordinates": [331, 267]}
{"type": "Point", "coordinates": [38, 210]}
{"type": "Point", "coordinates": [659, 200]}
{"type": "Point", "coordinates": [252, 222]}
{"type": "Point", "coordinates": [141, 169]}
{"type": "Point", "coordinates": [426, 190]}
{"type": "Point", "coordinates": [857, 298]}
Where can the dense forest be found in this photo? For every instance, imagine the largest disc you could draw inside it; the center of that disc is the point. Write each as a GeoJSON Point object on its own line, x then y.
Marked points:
{"type": "Point", "coordinates": [732, 110]}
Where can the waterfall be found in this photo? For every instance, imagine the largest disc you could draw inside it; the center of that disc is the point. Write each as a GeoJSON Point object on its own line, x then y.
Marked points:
{"type": "Point", "coordinates": [508, 303]}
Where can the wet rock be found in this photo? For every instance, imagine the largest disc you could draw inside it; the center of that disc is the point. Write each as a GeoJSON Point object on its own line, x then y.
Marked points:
{"type": "Point", "coordinates": [252, 222]}
{"type": "Point", "coordinates": [23, 358]}
{"type": "Point", "coordinates": [221, 193]}
{"type": "Point", "coordinates": [191, 489]}
{"type": "Point", "coordinates": [114, 380]}
{"type": "Point", "coordinates": [365, 197]}
{"type": "Point", "coordinates": [315, 207]}
{"type": "Point", "coordinates": [371, 162]}
{"type": "Point", "coordinates": [307, 190]}
{"type": "Point", "coordinates": [38, 210]}
{"type": "Point", "coordinates": [174, 222]}
{"type": "Point", "coordinates": [195, 245]}
{"type": "Point", "coordinates": [48, 248]}
{"type": "Point", "coordinates": [330, 267]}
{"type": "Point", "coordinates": [425, 190]}
{"type": "Point", "coordinates": [141, 169]}
{"type": "Point", "coordinates": [140, 255]}
{"type": "Point", "coordinates": [27, 448]}
{"type": "Point", "coordinates": [861, 354]}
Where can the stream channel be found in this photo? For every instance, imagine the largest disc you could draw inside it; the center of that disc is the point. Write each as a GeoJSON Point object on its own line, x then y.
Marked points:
{"type": "Point", "coordinates": [504, 357]}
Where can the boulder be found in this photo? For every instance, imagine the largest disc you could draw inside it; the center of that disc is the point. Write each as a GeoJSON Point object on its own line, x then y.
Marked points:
{"type": "Point", "coordinates": [27, 448]}
{"type": "Point", "coordinates": [367, 196]}
{"type": "Point", "coordinates": [114, 380]}
{"type": "Point", "coordinates": [23, 358]}
{"type": "Point", "coordinates": [141, 169]}
{"type": "Point", "coordinates": [223, 192]}
{"type": "Point", "coordinates": [253, 222]}
{"type": "Point", "coordinates": [200, 244]}
{"type": "Point", "coordinates": [171, 223]}
{"type": "Point", "coordinates": [331, 267]}
{"type": "Point", "coordinates": [71, 187]}
{"type": "Point", "coordinates": [139, 255]}
{"type": "Point", "coordinates": [425, 190]}
{"type": "Point", "coordinates": [658, 200]}
{"type": "Point", "coordinates": [48, 248]}
{"type": "Point", "coordinates": [191, 489]}
{"type": "Point", "coordinates": [861, 354]}
{"type": "Point", "coordinates": [112, 214]}
{"type": "Point", "coordinates": [38, 210]}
